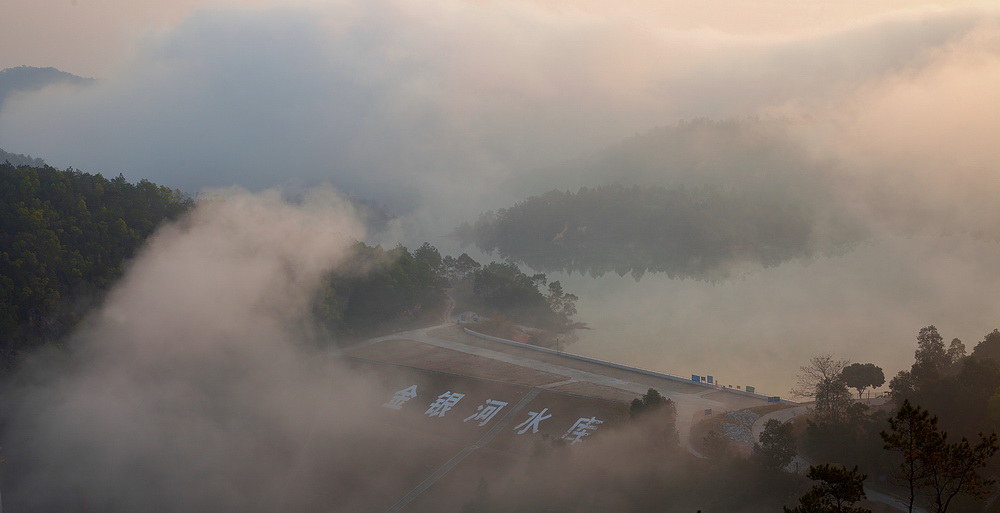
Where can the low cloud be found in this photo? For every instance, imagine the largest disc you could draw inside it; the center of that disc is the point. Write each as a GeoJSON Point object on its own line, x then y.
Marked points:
{"type": "Point", "coordinates": [447, 109]}
{"type": "Point", "coordinates": [865, 306]}
{"type": "Point", "coordinates": [441, 111]}
{"type": "Point", "coordinates": [198, 386]}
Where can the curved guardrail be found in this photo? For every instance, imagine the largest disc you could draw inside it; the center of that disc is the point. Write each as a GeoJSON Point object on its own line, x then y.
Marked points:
{"type": "Point", "coordinates": [615, 365]}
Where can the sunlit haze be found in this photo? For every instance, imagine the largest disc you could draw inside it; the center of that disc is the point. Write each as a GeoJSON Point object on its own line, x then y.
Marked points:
{"type": "Point", "coordinates": [443, 110]}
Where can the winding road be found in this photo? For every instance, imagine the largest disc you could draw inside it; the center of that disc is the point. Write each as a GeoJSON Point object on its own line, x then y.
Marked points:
{"type": "Point", "coordinates": [801, 465]}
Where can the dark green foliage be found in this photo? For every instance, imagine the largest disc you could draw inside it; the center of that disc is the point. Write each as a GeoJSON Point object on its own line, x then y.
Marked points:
{"type": "Point", "coordinates": [64, 238]}
{"type": "Point", "coordinates": [684, 232]}
{"type": "Point", "coordinates": [989, 347]}
{"type": "Point", "coordinates": [430, 257]}
{"type": "Point", "coordinates": [956, 350]}
{"type": "Point", "coordinates": [650, 401]}
{"type": "Point", "coordinates": [993, 407]}
{"type": "Point", "coordinates": [658, 416]}
{"type": "Point", "coordinates": [861, 376]}
{"type": "Point", "coordinates": [500, 288]}
{"type": "Point", "coordinates": [17, 160]}
{"type": "Point", "coordinates": [958, 392]}
{"type": "Point", "coordinates": [974, 385]}
{"type": "Point", "coordinates": [560, 301]}
{"type": "Point", "coordinates": [911, 428]}
{"type": "Point", "coordinates": [922, 457]}
{"type": "Point", "coordinates": [836, 491]}
{"type": "Point", "coordinates": [776, 448]}
{"type": "Point", "coordinates": [503, 285]}
{"type": "Point", "coordinates": [396, 289]}
{"type": "Point", "coordinates": [931, 360]}
{"type": "Point", "coordinates": [460, 268]}
{"type": "Point", "coordinates": [384, 290]}
{"type": "Point", "coordinates": [901, 385]}
{"type": "Point", "coordinates": [854, 438]}
{"type": "Point", "coordinates": [931, 463]}
{"type": "Point", "coordinates": [833, 400]}
{"type": "Point", "coordinates": [714, 446]}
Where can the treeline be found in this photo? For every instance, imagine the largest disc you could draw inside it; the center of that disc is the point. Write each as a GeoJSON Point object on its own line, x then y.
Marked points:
{"type": "Point", "coordinates": [28, 78]}
{"type": "Point", "coordinates": [685, 232]}
{"type": "Point", "coordinates": [963, 389]}
{"type": "Point", "coordinates": [501, 288]}
{"type": "Point", "coordinates": [64, 237]}
{"type": "Point", "coordinates": [408, 287]}
{"type": "Point", "coordinates": [941, 427]}
{"type": "Point", "coordinates": [18, 159]}
{"type": "Point", "coordinates": [382, 290]}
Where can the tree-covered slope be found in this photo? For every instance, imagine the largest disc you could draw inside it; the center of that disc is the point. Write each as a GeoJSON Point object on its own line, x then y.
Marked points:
{"type": "Point", "coordinates": [28, 78]}
{"type": "Point", "coordinates": [64, 236]}
{"type": "Point", "coordinates": [20, 160]}
{"type": "Point", "coordinates": [686, 232]}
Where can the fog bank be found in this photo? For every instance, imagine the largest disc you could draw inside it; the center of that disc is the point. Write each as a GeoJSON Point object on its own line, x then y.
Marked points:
{"type": "Point", "coordinates": [865, 306]}
{"type": "Point", "coordinates": [197, 386]}
{"type": "Point", "coordinates": [443, 110]}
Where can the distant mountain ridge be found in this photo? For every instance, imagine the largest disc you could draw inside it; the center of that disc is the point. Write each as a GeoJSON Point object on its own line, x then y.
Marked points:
{"type": "Point", "coordinates": [29, 78]}
{"type": "Point", "coordinates": [17, 159]}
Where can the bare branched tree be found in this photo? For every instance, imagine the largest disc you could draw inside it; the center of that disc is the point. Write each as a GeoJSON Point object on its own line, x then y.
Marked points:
{"type": "Point", "coordinates": [821, 369]}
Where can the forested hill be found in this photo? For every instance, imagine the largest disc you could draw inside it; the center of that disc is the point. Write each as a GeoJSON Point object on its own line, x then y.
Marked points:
{"type": "Point", "coordinates": [64, 236]}
{"type": "Point", "coordinates": [686, 232]}
{"type": "Point", "coordinates": [20, 160]}
{"type": "Point", "coordinates": [28, 78]}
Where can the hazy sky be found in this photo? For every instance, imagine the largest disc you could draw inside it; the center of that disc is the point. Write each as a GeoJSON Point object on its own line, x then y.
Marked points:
{"type": "Point", "coordinates": [97, 37]}
{"type": "Point", "coordinates": [418, 104]}
{"type": "Point", "coordinates": [443, 109]}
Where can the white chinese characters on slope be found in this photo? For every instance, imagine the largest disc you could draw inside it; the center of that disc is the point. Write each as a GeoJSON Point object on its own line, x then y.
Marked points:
{"type": "Point", "coordinates": [401, 397]}
{"type": "Point", "coordinates": [486, 412]}
{"type": "Point", "coordinates": [581, 428]}
{"type": "Point", "coordinates": [444, 402]}
{"type": "Point", "coordinates": [532, 423]}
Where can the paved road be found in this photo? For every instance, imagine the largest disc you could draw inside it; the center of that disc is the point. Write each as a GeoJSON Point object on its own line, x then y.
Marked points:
{"type": "Point", "coordinates": [690, 400]}
{"type": "Point", "coordinates": [688, 404]}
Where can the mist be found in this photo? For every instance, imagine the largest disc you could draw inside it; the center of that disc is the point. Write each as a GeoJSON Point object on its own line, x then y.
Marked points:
{"type": "Point", "coordinates": [200, 384]}
{"type": "Point", "coordinates": [463, 105]}
{"type": "Point", "coordinates": [445, 110]}
{"type": "Point", "coordinates": [865, 306]}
